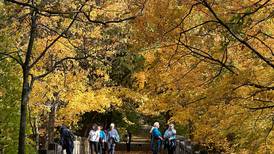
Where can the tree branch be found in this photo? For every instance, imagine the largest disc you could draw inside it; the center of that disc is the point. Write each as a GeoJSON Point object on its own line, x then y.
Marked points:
{"type": "Point", "coordinates": [56, 39]}
{"type": "Point", "coordinates": [257, 38]}
{"type": "Point", "coordinates": [259, 86]}
{"type": "Point", "coordinates": [206, 56]}
{"type": "Point", "coordinates": [183, 19]}
{"type": "Point", "coordinates": [256, 10]}
{"type": "Point", "coordinates": [107, 22]}
{"type": "Point", "coordinates": [56, 64]}
{"type": "Point", "coordinates": [267, 61]}
{"type": "Point", "coordinates": [8, 55]}
{"type": "Point", "coordinates": [40, 10]}
{"type": "Point", "coordinates": [261, 108]}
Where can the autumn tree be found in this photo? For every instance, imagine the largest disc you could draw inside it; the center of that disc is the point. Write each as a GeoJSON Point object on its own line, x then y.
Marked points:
{"type": "Point", "coordinates": [40, 28]}
{"type": "Point", "coordinates": [210, 64]}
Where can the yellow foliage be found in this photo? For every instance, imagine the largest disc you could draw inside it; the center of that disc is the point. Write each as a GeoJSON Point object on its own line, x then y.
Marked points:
{"type": "Point", "coordinates": [203, 75]}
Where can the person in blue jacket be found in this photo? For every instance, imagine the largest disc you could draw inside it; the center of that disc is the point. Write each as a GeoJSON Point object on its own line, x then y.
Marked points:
{"type": "Point", "coordinates": [156, 138]}
{"type": "Point", "coordinates": [170, 139]}
{"type": "Point", "coordinates": [102, 140]}
{"type": "Point", "coordinates": [112, 138]}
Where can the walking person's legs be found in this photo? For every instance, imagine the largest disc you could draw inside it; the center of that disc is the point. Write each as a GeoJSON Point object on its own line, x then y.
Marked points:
{"type": "Point", "coordinates": [90, 147]}
{"type": "Point", "coordinates": [172, 147]}
{"type": "Point", "coordinates": [96, 147]}
{"type": "Point", "coordinates": [159, 146]}
{"type": "Point", "coordinates": [111, 149]}
{"type": "Point", "coordinates": [128, 147]}
{"type": "Point", "coordinates": [104, 147]}
{"type": "Point", "coordinates": [100, 147]}
{"type": "Point", "coordinates": [155, 148]}
{"type": "Point", "coordinates": [69, 150]}
{"type": "Point", "coordinates": [93, 148]}
{"type": "Point", "coordinates": [170, 151]}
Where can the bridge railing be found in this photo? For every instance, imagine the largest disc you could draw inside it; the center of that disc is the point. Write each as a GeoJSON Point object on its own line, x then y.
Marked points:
{"type": "Point", "coordinates": [185, 146]}
{"type": "Point", "coordinates": [81, 146]}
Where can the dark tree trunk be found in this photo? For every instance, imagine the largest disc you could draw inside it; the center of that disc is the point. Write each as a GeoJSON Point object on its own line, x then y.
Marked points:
{"type": "Point", "coordinates": [26, 86]}
{"type": "Point", "coordinates": [23, 116]}
{"type": "Point", "coordinates": [167, 116]}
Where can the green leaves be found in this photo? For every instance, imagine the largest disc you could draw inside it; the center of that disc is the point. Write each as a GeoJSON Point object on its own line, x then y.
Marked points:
{"type": "Point", "coordinates": [9, 106]}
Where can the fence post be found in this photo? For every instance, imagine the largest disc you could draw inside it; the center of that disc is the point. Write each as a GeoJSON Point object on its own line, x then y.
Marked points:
{"type": "Point", "coordinates": [54, 148]}
{"type": "Point", "coordinates": [182, 147]}
{"type": "Point", "coordinates": [177, 150]}
{"type": "Point", "coordinates": [188, 146]}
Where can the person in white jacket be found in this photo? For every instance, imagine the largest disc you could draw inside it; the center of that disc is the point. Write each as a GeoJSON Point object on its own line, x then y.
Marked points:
{"type": "Point", "coordinates": [93, 138]}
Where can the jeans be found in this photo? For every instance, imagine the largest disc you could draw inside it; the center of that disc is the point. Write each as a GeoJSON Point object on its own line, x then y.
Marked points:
{"type": "Point", "coordinates": [171, 146]}
{"type": "Point", "coordinates": [101, 147]}
{"type": "Point", "coordinates": [156, 146]}
{"type": "Point", "coordinates": [111, 147]}
{"type": "Point", "coordinates": [69, 150]}
{"type": "Point", "coordinates": [68, 146]}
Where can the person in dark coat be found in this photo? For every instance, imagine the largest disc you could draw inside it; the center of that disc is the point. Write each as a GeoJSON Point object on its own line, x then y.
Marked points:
{"type": "Point", "coordinates": [66, 139]}
{"type": "Point", "coordinates": [128, 142]}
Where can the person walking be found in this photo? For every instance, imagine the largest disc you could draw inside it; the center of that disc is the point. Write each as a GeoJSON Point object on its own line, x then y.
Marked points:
{"type": "Point", "coordinates": [66, 140]}
{"type": "Point", "coordinates": [112, 138]}
{"type": "Point", "coordinates": [102, 140]}
{"type": "Point", "coordinates": [93, 138]}
{"type": "Point", "coordinates": [156, 138]}
{"type": "Point", "coordinates": [170, 139]}
{"type": "Point", "coordinates": [128, 141]}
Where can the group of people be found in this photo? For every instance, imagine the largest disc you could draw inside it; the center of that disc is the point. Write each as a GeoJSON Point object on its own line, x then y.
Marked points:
{"type": "Point", "coordinates": [102, 141]}
{"type": "Point", "coordinates": [169, 139]}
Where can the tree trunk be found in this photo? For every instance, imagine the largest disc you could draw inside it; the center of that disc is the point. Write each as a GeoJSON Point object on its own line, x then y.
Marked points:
{"type": "Point", "coordinates": [23, 115]}
{"type": "Point", "coordinates": [26, 89]}
{"type": "Point", "coordinates": [167, 116]}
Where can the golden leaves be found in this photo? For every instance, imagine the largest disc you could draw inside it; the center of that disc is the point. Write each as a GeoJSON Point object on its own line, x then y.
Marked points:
{"type": "Point", "coordinates": [187, 73]}
{"type": "Point", "coordinates": [81, 102]}
{"type": "Point", "coordinates": [141, 79]}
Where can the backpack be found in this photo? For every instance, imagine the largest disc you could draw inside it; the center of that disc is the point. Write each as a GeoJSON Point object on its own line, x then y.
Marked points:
{"type": "Point", "coordinates": [69, 135]}
{"type": "Point", "coordinates": [116, 139]}
{"type": "Point", "coordinates": [72, 136]}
